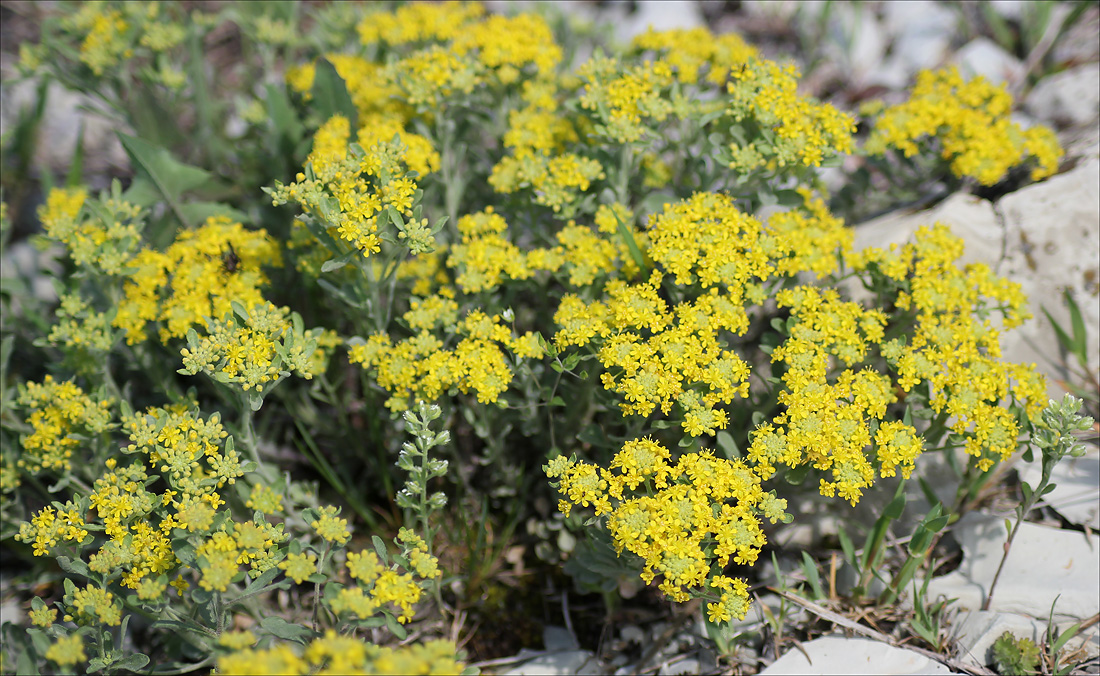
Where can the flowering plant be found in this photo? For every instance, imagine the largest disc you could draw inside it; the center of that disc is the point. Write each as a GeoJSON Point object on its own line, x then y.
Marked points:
{"type": "Point", "coordinates": [623, 276]}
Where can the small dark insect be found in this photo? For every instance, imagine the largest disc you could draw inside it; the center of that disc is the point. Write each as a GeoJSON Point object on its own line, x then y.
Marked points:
{"type": "Point", "coordinates": [230, 260]}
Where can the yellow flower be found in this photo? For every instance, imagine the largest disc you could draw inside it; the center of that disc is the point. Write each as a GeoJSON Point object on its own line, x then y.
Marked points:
{"type": "Point", "coordinates": [299, 567]}
{"type": "Point", "coordinates": [330, 527]}
{"type": "Point", "coordinates": [67, 651]}
{"type": "Point", "coordinates": [970, 120]}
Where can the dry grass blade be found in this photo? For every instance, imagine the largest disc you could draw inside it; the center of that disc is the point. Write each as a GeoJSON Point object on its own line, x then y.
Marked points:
{"type": "Point", "coordinates": [836, 618]}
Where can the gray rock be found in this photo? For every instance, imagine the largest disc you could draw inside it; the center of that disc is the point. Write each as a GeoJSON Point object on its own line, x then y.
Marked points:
{"type": "Point", "coordinates": [557, 639]}
{"type": "Point", "coordinates": [64, 114]}
{"type": "Point", "coordinates": [660, 16]}
{"type": "Point", "coordinates": [969, 217]}
{"type": "Point", "coordinates": [1069, 98]}
{"type": "Point", "coordinates": [982, 56]}
{"type": "Point", "coordinates": [1043, 565]}
{"type": "Point", "coordinates": [1045, 237]}
{"type": "Point", "coordinates": [1052, 232]}
{"type": "Point", "coordinates": [1009, 9]}
{"type": "Point", "coordinates": [10, 612]}
{"type": "Point", "coordinates": [840, 655]}
{"type": "Point", "coordinates": [861, 32]}
{"type": "Point", "coordinates": [1076, 494]}
{"type": "Point", "coordinates": [566, 663]}
{"type": "Point", "coordinates": [688, 665]}
{"type": "Point", "coordinates": [923, 31]}
{"type": "Point", "coordinates": [775, 9]}
{"type": "Point", "coordinates": [974, 632]}
{"type": "Point", "coordinates": [1079, 43]}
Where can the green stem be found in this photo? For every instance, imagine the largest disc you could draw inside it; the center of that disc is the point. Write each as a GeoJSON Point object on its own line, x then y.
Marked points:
{"type": "Point", "coordinates": [249, 439]}
{"type": "Point", "coordinates": [425, 525]}
{"type": "Point", "coordinates": [453, 184]}
{"type": "Point", "coordinates": [188, 669]}
{"type": "Point", "coordinates": [317, 585]}
{"type": "Point", "coordinates": [1021, 512]}
{"type": "Point", "coordinates": [109, 380]}
{"type": "Point", "coordinates": [622, 180]}
{"type": "Point", "coordinates": [216, 612]}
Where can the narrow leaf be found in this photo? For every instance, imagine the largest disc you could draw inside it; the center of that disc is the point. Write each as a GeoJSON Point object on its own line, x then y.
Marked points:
{"type": "Point", "coordinates": [75, 177]}
{"type": "Point", "coordinates": [330, 94]}
{"type": "Point", "coordinates": [628, 239]}
{"type": "Point", "coordinates": [340, 261]}
{"type": "Point", "coordinates": [847, 548]}
{"type": "Point", "coordinates": [395, 627]}
{"type": "Point", "coordinates": [1079, 345]}
{"type": "Point", "coordinates": [285, 630]}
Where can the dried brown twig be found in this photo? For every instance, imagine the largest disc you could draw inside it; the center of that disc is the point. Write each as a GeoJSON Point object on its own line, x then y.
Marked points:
{"type": "Point", "coordinates": [836, 618]}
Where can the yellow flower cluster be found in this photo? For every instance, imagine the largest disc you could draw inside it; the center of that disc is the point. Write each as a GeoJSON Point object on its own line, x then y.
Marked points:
{"type": "Point", "coordinates": [373, 94]}
{"type": "Point", "coordinates": [659, 357]}
{"type": "Point", "coordinates": [9, 474]}
{"type": "Point", "coordinates": [59, 413]}
{"type": "Point", "coordinates": [679, 518]}
{"type": "Point", "coordinates": [185, 450]}
{"type": "Point", "coordinates": [431, 75]}
{"type": "Point", "coordinates": [420, 156]}
{"type": "Point", "coordinates": [253, 348]}
{"type": "Point", "coordinates": [693, 52]}
{"type": "Point", "coordinates": [336, 654]}
{"type": "Point", "coordinates": [805, 131]}
{"type": "Point", "coordinates": [970, 120]}
{"type": "Point", "coordinates": [485, 258]}
{"type": "Point", "coordinates": [50, 526]}
{"type": "Point", "coordinates": [706, 239]}
{"type": "Point", "coordinates": [67, 651]}
{"type": "Point", "coordinates": [556, 181]}
{"type": "Point", "coordinates": [622, 97]}
{"type": "Point", "coordinates": [506, 45]}
{"type": "Point", "coordinates": [198, 276]}
{"type": "Point", "coordinates": [808, 238]}
{"type": "Point", "coordinates": [419, 22]}
{"type": "Point", "coordinates": [420, 368]}
{"type": "Point", "coordinates": [105, 42]}
{"type": "Point", "coordinates": [348, 189]}
{"type": "Point", "coordinates": [113, 33]}
{"type": "Point", "coordinates": [79, 327]}
{"type": "Point", "coordinates": [223, 550]}
{"type": "Point", "coordinates": [426, 273]}
{"type": "Point", "coordinates": [378, 584]}
{"type": "Point", "coordinates": [954, 347]}
{"type": "Point", "coordinates": [470, 48]}
{"type": "Point", "coordinates": [827, 425]}
{"type": "Point", "coordinates": [93, 605]}
{"type": "Point", "coordinates": [103, 239]}
{"type": "Point", "coordinates": [538, 130]}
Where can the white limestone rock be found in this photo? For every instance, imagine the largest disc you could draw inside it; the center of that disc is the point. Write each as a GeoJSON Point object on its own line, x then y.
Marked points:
{"type": "Point", "coordinates": [1045, 237]}
{"type": "Point", "coordinates": [969, 217]}
{"type": "Point", "coordinates": [982, 56]}
{"type": "Point", "coordinates": [1076, 494]}
{"type": "Point", "coordinates": [1052, 233]}
{"type": "Point", "coordinates": [64, 114]}
{"type": "Point", "coordinates": [564, 663]}
{"type": "Point", "coordinates": [1044, 564]}
{"type": "Point", "coordinates": [923, 30]}
{"type": "Point", "coordinates": [1069, 98]}
{"type": "Point", "coordinates": [840, 655]}
{"type": "Point", "coordinates": [974, 632]}
{"type": "Point", "coordinates": [660, 16]}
